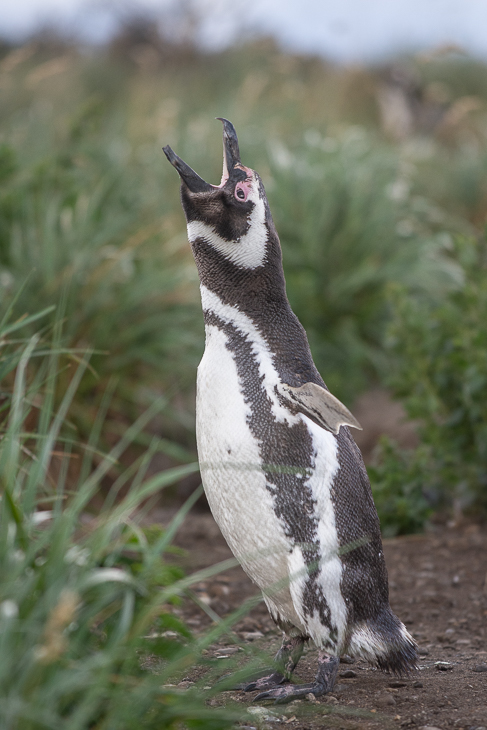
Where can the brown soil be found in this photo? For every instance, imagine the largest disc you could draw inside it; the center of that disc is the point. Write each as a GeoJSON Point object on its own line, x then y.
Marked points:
{"type": "Point", "coordinates": [438, 587]}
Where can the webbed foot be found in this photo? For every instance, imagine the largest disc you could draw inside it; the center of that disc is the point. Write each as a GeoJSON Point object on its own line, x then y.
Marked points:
{"type": "Point", "coordinates": [268, 682]}
{"type": "Point", "coordinates": [325, 680]}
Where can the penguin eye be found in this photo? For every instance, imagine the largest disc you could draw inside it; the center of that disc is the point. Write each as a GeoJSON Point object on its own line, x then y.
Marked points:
{"type": "Point", "coordinates": [242, 190]}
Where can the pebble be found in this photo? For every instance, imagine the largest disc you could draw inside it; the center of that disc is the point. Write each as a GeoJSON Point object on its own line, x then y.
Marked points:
{"type": "Point", "coordinates": [443, 666]}
{"type": "Point", "coordinates": [263, 713]}
{"type": "Point", "coordinates": [348, 674]}
{"type": "Point", "coordinates": [345, 659]}
{"type": "Point", "coordinates": [252, 635]}
{"type": "Point", "coordinates": [429, 727]}
{"type": "Point", "coordinates": [423, 651]}
{"type": "Point", "coordinates": [385, 700]}
{"type": "Point", "coordinates": [227, 650]}
{"type": "Point", "coordinates": [480, 668]}
{"type": "Point", "coordinates": [331, 701]}
{"type": "Point", "coordinates": [416, 685]}
{"type": "Point", "coordinates": [311, 697]}
{"type": "Point", "coordinates": [396, 684]}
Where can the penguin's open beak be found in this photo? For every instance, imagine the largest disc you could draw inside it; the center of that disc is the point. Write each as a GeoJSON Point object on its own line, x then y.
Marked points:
{"type": "Point", "coordinates": [231, 152]}
{"type": "Point", "coordinates": [195, 183]}
{"type": "Point", "coordinates": [231, 158]}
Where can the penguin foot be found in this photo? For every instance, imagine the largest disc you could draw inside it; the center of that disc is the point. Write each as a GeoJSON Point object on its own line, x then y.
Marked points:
{"type": "Point", "coordinates": [283, 666]}
{"type": "Point", "coordinates": [282, 695]}
{"type": "Point", "coordinates": [270, 681]}
{"type": "Point", "coordinates": [263, 679]}
{"type": "Point", "coordinates": [324, 682]}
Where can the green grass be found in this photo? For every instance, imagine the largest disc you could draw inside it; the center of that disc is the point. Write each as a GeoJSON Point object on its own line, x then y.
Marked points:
{"type": "Point", "coordinates": [91, 223]}
{"type": "Point", "coordinates": [101, 331]}
{"type": "Point", "coordinates": [90, 213]}
{"type": "Point", "coordinates": [80, 596]}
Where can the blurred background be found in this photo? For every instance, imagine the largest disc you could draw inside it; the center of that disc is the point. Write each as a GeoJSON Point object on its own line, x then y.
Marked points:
{"type": "Point", "coordinates": [368, 125]}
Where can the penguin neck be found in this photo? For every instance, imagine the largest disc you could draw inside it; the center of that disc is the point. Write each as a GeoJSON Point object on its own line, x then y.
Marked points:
{"type": "Point", "coordinates": [256, 304]}
{"type": "Point", "coordinates": [257, 292]}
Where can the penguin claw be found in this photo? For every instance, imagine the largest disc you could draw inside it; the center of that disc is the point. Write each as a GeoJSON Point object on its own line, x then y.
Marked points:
{"type": "Point", "coordinates": [282, 695]}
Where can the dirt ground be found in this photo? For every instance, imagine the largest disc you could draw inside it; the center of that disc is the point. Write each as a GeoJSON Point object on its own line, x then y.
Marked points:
{"type": "Point", "coordinates": [438, 587]}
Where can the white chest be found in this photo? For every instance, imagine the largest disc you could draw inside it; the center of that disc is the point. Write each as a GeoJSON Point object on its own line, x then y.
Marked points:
{"type": "Point", "coordinates": [231, 467]}
{"type": "Point", "coordinates": [237, 488]}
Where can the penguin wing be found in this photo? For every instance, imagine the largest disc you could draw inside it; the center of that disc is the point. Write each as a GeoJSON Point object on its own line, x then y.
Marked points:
{"type": "Point", "coordinates": [319, 405]}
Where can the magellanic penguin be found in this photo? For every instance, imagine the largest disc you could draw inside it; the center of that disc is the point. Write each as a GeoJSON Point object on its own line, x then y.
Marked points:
{"type": "Point", "coordinates": [283, 476]}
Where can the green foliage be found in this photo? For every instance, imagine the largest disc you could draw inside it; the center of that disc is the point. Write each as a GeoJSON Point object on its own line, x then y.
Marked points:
{"type": "Point", "coordinates": [87, 635]}
{"type": "Point", "coordinates": [91, 211]}
{"type": "Point", "coordinates": [398, 486]}
{"type": "Point", "coordinates": [349, 229]}
{"type": "Point", "coordinates": [91, 224]}
{"type": "Point", "coordinates": [83, 224]}
{"type": "Point", "coordinates": [441, 376]}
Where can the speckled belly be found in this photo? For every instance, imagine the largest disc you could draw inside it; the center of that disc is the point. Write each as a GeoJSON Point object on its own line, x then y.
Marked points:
{"type": "Point", "coordinates": [233, 479]}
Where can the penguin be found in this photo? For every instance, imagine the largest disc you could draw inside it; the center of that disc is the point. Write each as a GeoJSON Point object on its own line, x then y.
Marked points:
{"type": "Point", "coordinates": [284, 479]}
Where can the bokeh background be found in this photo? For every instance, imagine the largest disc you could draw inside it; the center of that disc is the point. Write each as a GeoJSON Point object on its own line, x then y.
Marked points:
{"type": "Point", "coordinates": [368, 124]}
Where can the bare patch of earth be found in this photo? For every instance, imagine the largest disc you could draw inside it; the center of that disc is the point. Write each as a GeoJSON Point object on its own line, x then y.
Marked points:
{"type": "Point", "coordinates": [438, 587]}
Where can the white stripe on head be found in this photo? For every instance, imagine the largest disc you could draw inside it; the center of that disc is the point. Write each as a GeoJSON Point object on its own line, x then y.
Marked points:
{"type": "Point", "coordinates": [250, 250]}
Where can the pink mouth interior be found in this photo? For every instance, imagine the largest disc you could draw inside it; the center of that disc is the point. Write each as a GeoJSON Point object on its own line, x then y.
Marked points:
{"type": "Point", "coordinates": [225, 174]}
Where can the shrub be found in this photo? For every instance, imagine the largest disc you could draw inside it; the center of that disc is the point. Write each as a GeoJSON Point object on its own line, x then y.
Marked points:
{"type": "Point", "coordinates": [440, 375]}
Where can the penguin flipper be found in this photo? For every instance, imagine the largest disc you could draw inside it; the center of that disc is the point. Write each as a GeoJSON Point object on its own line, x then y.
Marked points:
{"type": "Point", "coordinates": [320, 405]}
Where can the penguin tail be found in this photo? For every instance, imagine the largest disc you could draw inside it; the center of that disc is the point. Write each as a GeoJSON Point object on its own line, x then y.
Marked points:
{"type": "Point", "coordinates": [385, 643]}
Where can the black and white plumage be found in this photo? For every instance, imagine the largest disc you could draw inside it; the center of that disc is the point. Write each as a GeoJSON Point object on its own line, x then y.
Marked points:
{"type": "Point", "coordinates": [284, 478]}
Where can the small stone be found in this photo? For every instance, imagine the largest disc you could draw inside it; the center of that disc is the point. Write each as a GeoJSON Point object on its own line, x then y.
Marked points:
{"type": "Point", "coordinates": [227, 650]}
{"type": "Point", "coordinates": [252, 635]}
{"type": "Point", "coordinates": [396, 684]}
{"type": "Point", "coordinates": [417, 685]}
{"type": "Point", "coordinates": [443, 666]}
{"type": "Point", "coordinates": [348, 674]}
{"type": "Point", "coordinates": [423, 651]}
{"type": "Point", "coordinates": [386, 700]}
{"type": "Point", "coordinates": [480, 668]}
{"type": "Point", "coordinates": [345, 659]}
{"type": "Point", "coordinates": [311, 697]}
{"type": "Point", "coordinates": [429, 727]}
{"type": "Point", "coordinates": [331, 700]}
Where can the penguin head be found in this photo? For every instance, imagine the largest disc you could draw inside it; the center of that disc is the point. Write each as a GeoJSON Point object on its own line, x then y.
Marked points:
{"type": "Point", "coordinates": [233, 218]}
